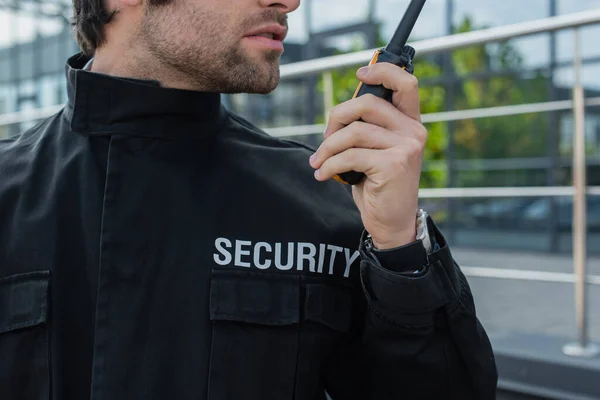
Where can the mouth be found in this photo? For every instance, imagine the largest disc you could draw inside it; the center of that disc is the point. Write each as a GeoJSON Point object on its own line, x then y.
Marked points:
{"type": "Point", "coordinates": [272, 32]}
{"type": "Point", "coordinates": [267, 35]}
{"type": "Point", "coordinates": [267, 38]}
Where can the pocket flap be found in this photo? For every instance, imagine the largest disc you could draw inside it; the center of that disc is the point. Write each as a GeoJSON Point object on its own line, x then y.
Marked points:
{"type": "Point", "coordinates": [259, 298]}
{"type": "Point", "coordinates": [329, 305]}
{"type": "Point", "coordinates": [23, 300]}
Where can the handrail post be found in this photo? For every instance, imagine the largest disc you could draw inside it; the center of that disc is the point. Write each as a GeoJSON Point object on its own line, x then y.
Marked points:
{"type": "Point", "coordinates": [328, 94]}
{"type": "Point", "coordinates": [581, 348]}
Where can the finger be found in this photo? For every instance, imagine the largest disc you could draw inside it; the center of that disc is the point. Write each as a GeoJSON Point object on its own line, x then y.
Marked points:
{"type": "Point", "coordinates": [359, 160]}
{"type": "Point", "coordinates": [404, 85]}
{"type": "Point", "coordinates": [370, 109]}
{"type": "Point", "coordinates": [358, 134]}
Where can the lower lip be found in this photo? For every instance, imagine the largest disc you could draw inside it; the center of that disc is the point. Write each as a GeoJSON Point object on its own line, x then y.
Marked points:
{"type": "Point", "coordinates": [266, 42]}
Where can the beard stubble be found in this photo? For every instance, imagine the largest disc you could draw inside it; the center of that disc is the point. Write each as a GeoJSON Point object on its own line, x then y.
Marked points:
{"type": "Point", "coordinates": [201, 46]}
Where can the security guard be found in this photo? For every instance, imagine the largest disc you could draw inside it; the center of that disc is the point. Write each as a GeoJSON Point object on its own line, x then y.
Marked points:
{"type": "Point", "coordinates": [154, 245]}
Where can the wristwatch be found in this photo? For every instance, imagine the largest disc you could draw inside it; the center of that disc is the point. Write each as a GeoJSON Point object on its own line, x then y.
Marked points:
{"type": "Point", "coordinates": [410, 258]}
{"type": "Point", "coordinates": [423, 230]}
{"type": "Point", "coordinates": [422, 234]}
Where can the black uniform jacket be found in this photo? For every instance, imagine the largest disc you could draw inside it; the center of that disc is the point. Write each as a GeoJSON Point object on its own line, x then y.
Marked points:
{"type": "Point", "coordinates": [155, 246]}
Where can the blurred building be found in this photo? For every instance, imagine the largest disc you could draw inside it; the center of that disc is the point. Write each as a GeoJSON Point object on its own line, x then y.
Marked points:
{"type": "Point", "coordinates": [32, 76]}
{"type": "Point", "coordinates": [529, 150]}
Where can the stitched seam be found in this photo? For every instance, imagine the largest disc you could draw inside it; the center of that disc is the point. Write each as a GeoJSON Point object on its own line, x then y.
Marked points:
{"type": "Point", "coordinates": [390, 321]}
{"type": "Point", "coordinates": [395, 282]}
{"type": "Point", "coordinates": [458, 302]}
{"type": "Point", "coordinates": [298, 336]}
{"type": "Point", "coordinates": [448, 369]}
{"type": "Point", "coordinates": [26, 324]}
{"type": "Point", "coordinates": [260, 321]}
{"type": "Point", "coordinates": [385, 274]}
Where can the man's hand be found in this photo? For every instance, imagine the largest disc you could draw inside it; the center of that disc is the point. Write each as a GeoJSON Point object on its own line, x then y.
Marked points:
{"type": "Point", "coordinates": [387, 146]}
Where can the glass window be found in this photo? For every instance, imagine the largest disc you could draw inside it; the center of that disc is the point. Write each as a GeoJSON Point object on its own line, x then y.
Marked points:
{"type": "Point", "coordinates": [498, 13]}
{"type": "Point", "coordinates": [431, 22]}
{"type": "Point", "coordinates": [336, 13]}
{"type": "Point", "coordinates": [8, 97]}
{"type": "Point", "coordinates": [571, 6]}
{"type": "Point", "coordinates": [564, 77]}
{"type": "Point", "coordinates": [3, 128]}
{"type": "Point", "coordinates": [48, 91]}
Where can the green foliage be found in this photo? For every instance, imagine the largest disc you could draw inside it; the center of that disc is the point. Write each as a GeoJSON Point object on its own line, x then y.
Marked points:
{"type": "Point", "coordinates": [432, 100]}
{"type": "Point", "coordinates": [502, 137]}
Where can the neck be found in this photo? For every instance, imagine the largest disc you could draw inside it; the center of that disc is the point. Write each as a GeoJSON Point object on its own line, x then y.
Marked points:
{"type": "Point", "coordinates": [141, 65]}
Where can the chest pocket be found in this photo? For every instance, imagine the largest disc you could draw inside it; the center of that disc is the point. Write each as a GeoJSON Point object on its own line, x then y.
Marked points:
{"type": "Point", "coordinates": [24, 361]}
{"type": "Point", "coordinates": [272, 333]}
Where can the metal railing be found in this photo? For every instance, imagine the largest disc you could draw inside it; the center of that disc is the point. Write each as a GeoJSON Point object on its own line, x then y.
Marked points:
{"type": "Point", "coordinates": [525, 275]}
{"type": "Point", "coordinates": [446, 43]}
{"type": "Point", "coordinates": [448, 116]}
{"type": "Point", "coordinates": [578, 103]}
{"type": "Point", "coordinates": [489, 192]}
{"type": "Point", "coordinates": [424, 47]}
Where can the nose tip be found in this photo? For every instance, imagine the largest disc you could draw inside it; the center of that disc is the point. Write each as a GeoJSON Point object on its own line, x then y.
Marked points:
{"type": "Point", "coordinates": [286, 6]}
{"type": "Point", "coordinates": [294, 5]}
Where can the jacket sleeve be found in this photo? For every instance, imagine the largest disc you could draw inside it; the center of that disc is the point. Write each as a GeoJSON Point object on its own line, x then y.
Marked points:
{"type": "Point", "coordinates": [416, 335]}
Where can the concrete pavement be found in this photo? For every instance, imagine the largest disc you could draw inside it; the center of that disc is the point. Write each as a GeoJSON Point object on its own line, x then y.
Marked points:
{"type": "Point", "coordinates": [526, 306]}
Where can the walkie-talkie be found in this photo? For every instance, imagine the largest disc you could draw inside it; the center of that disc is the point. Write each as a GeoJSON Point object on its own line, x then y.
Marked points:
{"type": "Point", "coordinates": [395, 52]}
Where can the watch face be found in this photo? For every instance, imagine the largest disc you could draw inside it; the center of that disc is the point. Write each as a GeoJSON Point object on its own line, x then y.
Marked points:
{"type": "Point", "coordinates": [420, 232]}
{"type": "Point", "coordinates": [423, 231]}
{"type": "Point", "coordinates": [421, 225]}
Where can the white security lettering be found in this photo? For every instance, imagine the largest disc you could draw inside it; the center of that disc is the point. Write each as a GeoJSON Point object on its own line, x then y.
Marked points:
{"type": "Point", "coordinates": [257, 248]}
{"type": "Point", "coordinates": [239, 253]}
{"type": "Point", "coordinates": [221, 244]}
{"type": "Point", "coordinates": [321, 258]}
{"type": "Point", "coordinates": [334, 249]}
{"type": "Point", "coordinates": [290, 258]}
{"type": "Point", "coordinates": [349, 261]}
{"type": "Point", "coordinates": [303, 255]}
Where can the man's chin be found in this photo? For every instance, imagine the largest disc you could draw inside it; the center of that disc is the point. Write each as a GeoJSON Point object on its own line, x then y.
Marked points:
{"type": "Point", "coordinates": [265, 75]}
{"type": "Point", "coordinates": [255, 83]}
{"type": "Point", "coordinates": [266, 88]}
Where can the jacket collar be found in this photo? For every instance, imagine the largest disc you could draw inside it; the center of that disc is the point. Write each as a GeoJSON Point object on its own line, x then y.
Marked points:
{"type": "Point", "coordinates": [99, 103]}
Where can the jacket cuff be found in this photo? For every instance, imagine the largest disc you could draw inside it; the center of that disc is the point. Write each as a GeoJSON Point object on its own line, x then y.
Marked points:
{"type": "Point", "coordinates": [409, 258]}
{"type": "Point", "coordinates": [397, 295]}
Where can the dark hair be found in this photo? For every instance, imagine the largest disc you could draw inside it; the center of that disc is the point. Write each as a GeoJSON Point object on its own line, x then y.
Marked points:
{"type": "Point", "coordinates": [89, 18]}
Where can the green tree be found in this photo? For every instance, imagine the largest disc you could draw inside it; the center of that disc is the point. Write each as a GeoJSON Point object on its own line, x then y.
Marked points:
{"type": "Point", "coordinates": [505, 137]}
{"type": "Point", "coordinates": [502, 137]}
{"type": "Point", "coordinates": [432, 100]}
